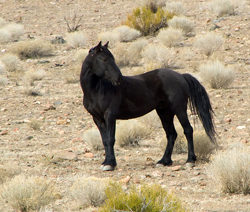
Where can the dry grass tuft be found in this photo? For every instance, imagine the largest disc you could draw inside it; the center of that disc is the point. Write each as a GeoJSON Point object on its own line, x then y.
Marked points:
{"type": "Point", "coordinates": [35, 124]}
{"type": "Point", "coordinates": [32, 49]}
{"type": "Point", "coordinates": [33, 75]}
{"type": "Point", "coordinates": [231, 170]}
{"type": "Point", "coordinates": [110, 36]}
{"type": "Point", "coordinates": [209, 43]}
{"type": "Point", "coordinates": [26, 193]}
{"type": "Point", "coordinates": [10, 61]}
{"type": "Point", "coordinates": [176, 8]}
{"type": "Point", "coordinates": [8, 171]}
{"type": "Point", "coordinates": [73, 74]}
{"type": "Point", "coordinates": [76, 39]}
{"type": "Point", "coordinates": [182, 23]}
{"type": "Point", "coordinates": [223, 7]}
{"type": "Point", "coordinates": [216, 74]}
{"type": "Point", "coordinates": [121, 54]}
{"type": "Point", "coordinates": [134, 51]}
{"type": "Point", "coordinates": [93, 138]}
{"type": "Point", "coordinates": [130, 132]}
{"type": "Point", "coordinates": [151, 119]}
{"type": "Point", "coordinates": [170, 36]}
{"type": "Point", "coordinates": [3, 80]}
{"type": "Point", "coordinates": [81, 54]}
{"type": "Point", "coordinates": [89, 191]}
{"type": "Point", "coordinates": [126, 34]}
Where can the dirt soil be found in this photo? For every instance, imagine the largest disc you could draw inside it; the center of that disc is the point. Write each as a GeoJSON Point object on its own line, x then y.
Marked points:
{"type": "Point", "coordinates": [63, 118]}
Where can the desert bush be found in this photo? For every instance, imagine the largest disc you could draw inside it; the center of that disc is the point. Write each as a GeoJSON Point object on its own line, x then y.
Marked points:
{"type": "Point", "coordinates": [93, 138]}
{"type": "Point", "coordinates": [147, 21]}
{"type": "Point", "coordinates": [73, 74]}
{"type": "Point", "coordinates": [147, 198]}
{"type": "Point", "coordinates": [126, 34]}
{"type": "Point", "coordinates": [32, 49]}
{"type": "Point", "coordinates": [76, 39]}
{"type": "Point", "coordinates": [35, 124]}
{"type": "Point", "coordinates": [151, 119]}
{"type": "Point", "coordinates": [216, 74]}
{"type": "Point", "coordinates": [26, 193]}
{"type": "Point", "coordinates": [33, 75]}
{"type": "Point", "coordinates": [3, 80]}
{"type": "Point", "coordinates": [15, 30]}
{"type": "Point", "coordinates": [10, 61]}
{"type": "Point", "coordinates": [121, 54]}
{"type": "Point", "coordinates": [2, 22]}
{"type": "Point", "coordinates": [230, 170]}
{"type": "Point", "coordinates": [2, 68]}
{"type": "Point", "coordinates": [8, 171]}
{"type": "Point", "coordinates": [109, 36]}
{"type": "Point", "coordinates": [209, 43]}
{"type": "Point", "coordinates": [73, 22]}
{"type": "Point", "coordinates": [182, 23]}
{"type": "Point", "coordinates": [176, 8]}
{"type": "Point", "coordinates": [5, 36]}
{"type": "Point", "coordinates": [81, 54]}
{"type": "Point", "coordinates": [157, 56]}
{"type": "Point", "coordinates": [134, 51]}
{"type": "Point", "coordinates": [170, 36]}
{"type": "Point", "coordinates": [130, 132]}
{"type": "Point", "coordinates": [89, 191]}
{"type": "Point", "coordinates": [223, 7]}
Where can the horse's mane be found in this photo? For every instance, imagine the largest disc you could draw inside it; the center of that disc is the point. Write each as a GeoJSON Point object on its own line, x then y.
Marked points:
{"type": "Point", "coordinates": [101, 85]}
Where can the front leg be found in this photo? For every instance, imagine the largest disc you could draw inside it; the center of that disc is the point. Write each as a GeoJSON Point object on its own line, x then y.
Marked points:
{"type": "Point", "coordinates": [107, 130]}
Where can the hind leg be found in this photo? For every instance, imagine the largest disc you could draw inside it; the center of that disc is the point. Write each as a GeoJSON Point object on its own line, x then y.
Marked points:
{"type": "Point", "coordinates": [167, 119]}
{"type": "Point", "coordinates": [188, 131]}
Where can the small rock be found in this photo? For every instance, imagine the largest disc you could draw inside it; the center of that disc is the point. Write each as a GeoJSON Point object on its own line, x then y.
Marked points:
{"type": "Point", "coordinates": [4, 109]}
{"type": "Point", "coordinates": [125, 180]}
{"type": "Point", "coordinates": [50, 107]}
{"type": "Point", "coordinates": [157, 173]}
{"type": "Point", "coordinates": [240, 127]}
{"type": "Point", "coordinates": [66, 155]}
{"type": "Point", "coordinates": [89, 155]}
{"type": "Point", "coordinates": [5, 132]}
{"type": "Point", "coordinates": [176, 168]}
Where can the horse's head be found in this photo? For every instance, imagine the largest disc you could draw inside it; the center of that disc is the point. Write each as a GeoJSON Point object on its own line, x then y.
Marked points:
{"type": "Point", "coordinates": [103, 64]}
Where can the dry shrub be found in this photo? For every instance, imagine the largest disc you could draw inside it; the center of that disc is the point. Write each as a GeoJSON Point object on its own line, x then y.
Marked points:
{"type": "Point", "coordinates": [216, 74]}
{"type": "Point", "coordinates": [176, 8]}
{"type": "Point", "coordinates": [134, 51]}
{"type": "Point", "coordinates": [32, 49]}
{"type": "Point", "coordinates": [3, 80]}
{"type": "Point", "coordinates": [223, 7]}
{"type": "Point", "coordinates": [147, 20]}
{"type": "Point", "coordinates": [182, 23]}
{"type": "Point", "coordinates": [73, 74]}
{"type": "Point", "coordinates": [8, 171]}
{"type": "Point", "coordinates": [93, 138]}
{"type": "Point", "coordinates": [209, 43]}
{"type": "Point", "coordinates": [145, 197]}
{"type": "Point", "coordinates": [109, 36]}
{"type": "Point", "coordinates": [33, 75]}
{"type": "Point", "coordinates": [81, 54]}
{"type": "Point", "coordinates": [151, 119]}
{"type": "Point", "coordinates": [89, 191]}
{"type": "Point", "coordinates": [76, 39]}
{"type": "Point", "coordinates": [230, 170]}
{"type": "Point", "coordinates": [2, 68]}
{"type": "Point", "coordinates": [170, 36]}
{"type": "Point", "coordinates": [35, 124]}
{"type": "Point", "coordinates": [130, 132]}
{"type": "Point", "coordinates": [10, 31]}
{"type": "Point", "coordinates": [126, 34]}
{"type": "Point", "coordinates": [121, 54]}
{"type": "Point", "coordinates": [26, 193]}
{"type": "Point", "coordinates": [203, 146]}
{"type": "Point", "coordinates": [157, 56]}
{"type": "Point", "coordinates": [10, 61]}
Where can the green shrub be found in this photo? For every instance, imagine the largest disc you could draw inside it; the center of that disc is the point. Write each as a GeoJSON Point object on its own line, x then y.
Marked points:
{"type": "Point", "coordinates": [147, 21]}
{"type": "Point", "coordinates": [146, 198]}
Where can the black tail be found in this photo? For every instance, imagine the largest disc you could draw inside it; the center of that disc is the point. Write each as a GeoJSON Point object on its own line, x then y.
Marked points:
{"type": "Point", "coordinates": [200, 104]}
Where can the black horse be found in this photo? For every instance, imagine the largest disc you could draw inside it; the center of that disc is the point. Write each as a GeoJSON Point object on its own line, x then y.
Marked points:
{"type": "Point", "coordinates": [108, 95]}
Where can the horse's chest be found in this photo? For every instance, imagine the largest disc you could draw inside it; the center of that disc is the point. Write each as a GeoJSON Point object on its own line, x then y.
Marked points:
{"type": "Point", "coordinates": [94, 106]}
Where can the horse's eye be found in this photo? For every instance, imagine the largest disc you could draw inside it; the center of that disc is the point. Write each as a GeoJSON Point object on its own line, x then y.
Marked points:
{"type": "Point", "coordinates": [104, 59]}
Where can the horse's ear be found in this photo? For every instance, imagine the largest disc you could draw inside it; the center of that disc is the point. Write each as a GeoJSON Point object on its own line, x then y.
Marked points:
{"type": "Point", "coordinates": [107, 44]}
{"type": "Point", "coordinates": [98, 47]}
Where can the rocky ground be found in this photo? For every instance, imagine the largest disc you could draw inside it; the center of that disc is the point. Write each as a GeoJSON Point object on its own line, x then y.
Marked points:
{"type": "Point", "coordinates": [58, 149]}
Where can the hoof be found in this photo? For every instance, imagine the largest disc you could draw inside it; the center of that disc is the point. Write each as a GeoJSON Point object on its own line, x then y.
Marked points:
{"type": "Point", "coordinates": [190, 165]}
{"type": "Point", "coordinates": [108, 168]}
{"type": "Point", "coordinates": [159, 165]}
